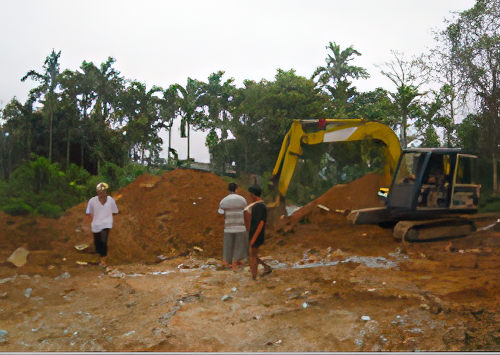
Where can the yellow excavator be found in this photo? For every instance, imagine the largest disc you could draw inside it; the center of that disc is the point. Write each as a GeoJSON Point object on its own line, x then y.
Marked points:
{"type": "Point", "coordinates": [430, 193]}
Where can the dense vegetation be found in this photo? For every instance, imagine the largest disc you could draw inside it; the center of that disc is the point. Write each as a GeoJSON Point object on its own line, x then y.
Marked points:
{"type": "Point", "coordinates": [78, 127]}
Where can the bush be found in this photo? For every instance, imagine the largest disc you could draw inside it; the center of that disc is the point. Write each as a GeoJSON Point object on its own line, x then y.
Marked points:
{"type": "Point", "coordinates": [490, 204]}
{"type": "Point", "coordinates": [47, 209]}
{"type": "Point", "coordinates": [16, 207]}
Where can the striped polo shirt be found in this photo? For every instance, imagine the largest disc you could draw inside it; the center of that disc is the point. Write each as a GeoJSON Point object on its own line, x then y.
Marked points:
{"type": "Point", "coordinates": [232, 207]}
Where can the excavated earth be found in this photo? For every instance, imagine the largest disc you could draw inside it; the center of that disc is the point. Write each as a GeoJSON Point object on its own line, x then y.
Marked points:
{"type": "Point", "coordinates": [335, 287]}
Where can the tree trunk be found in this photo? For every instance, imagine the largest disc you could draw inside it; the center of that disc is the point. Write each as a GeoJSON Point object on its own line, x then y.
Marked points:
{"type": "Point", "coordinates": [67, 149]}
{"type": "Point", "coordinates": [188, 139]}
{"type": "Point", "coordinates": [403, 133]}
{"type": "Point", "coordinates": [82, 152]}
{"type": "Point", "coordinates": [50, 137]}
{"type": "Point", "coordinates": [169, 144]}
{"type": "Point", "coordinates": [29, 141]}
{"type": "Point", "coordinates": [495, 174]}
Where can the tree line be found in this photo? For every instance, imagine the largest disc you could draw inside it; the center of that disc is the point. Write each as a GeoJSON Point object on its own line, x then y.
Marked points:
{"type": "Point", "coordinates": [94, 117]}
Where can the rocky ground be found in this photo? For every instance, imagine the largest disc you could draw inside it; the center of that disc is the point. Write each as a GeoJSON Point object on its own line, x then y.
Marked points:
{"type": "Point", "coordinates": [403, 299]}
{"type": "Point", "coordinates": [334, 287]}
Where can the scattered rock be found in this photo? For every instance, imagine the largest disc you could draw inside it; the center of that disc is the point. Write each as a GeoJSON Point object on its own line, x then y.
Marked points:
{"type": "Point", "coordinates": [64, 275]}
{"type": "Point", "coordinates": [226, 298]}
{"type": "Point", "coordinates": [131, 304]}
{"type": "Point", "coordinates": [365, 318]}
{"type": "Point", "coordinates": [3, 295]}
{"type": "Point", "coordinates": [2, 281]}
{"type": "Point", "coordinates": [81, 247]}
{"type": "Point", "coordinates": [4, 336]}
{"type": "Point", "coordinates": [19, 257]}
{"type": "Point", "coordinates": [116, 274]}
{"type": "Point", "coordinates": [305, 305]}
{"type": "Point", "coordinates": [27, 292]}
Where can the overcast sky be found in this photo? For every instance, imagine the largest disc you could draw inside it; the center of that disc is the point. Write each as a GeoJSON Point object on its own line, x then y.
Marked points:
{"type": "Point", "coordinates": [165, 42]}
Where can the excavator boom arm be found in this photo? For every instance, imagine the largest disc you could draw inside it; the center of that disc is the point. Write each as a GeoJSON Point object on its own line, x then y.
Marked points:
{"type": "Point", "coordinates": [335, 131]}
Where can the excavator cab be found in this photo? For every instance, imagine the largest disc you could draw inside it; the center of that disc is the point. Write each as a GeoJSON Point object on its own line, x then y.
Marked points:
{"type": "Point", "coordinates": [434, 180]}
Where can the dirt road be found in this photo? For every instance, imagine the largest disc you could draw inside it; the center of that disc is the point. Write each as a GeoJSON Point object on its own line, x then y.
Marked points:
{"type": "Point", "coordinates": [315, 300]}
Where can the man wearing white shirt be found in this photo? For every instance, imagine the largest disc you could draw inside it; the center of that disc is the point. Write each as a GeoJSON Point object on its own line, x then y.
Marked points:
{"type": "Point", "coordinates": [102, 208]}
{"type": "Point", "coordinates": [235, 247]}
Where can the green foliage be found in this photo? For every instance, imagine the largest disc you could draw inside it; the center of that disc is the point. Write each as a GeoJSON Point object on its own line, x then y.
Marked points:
{"type": "Point", "coordinates": [49, 210]}
{"type": "Point", "coordinates": [490, 204]}
{"type": "Point", "coordinates": [16, 207]}
{"type": "Point", "coordinates": [469, 133]}
{"type": "Point", "coordinates": [474, 44]}
{"type": "Point", "coordinates": [265, 114]}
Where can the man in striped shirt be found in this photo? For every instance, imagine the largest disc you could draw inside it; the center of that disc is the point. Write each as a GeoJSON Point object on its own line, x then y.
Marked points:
{"type": "Point", "coordinates": [235, 247]}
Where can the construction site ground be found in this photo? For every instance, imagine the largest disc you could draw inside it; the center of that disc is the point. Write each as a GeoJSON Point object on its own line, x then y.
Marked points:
{"type": "Point", "coordinates": [334, 287]}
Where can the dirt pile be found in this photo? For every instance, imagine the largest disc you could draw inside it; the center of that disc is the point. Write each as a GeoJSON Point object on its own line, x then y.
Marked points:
{"type": "Point", "coordinates": [172, 214]}
{"type": "Point", "coordinates": [360, 193]}
{"type": "Point", "coordinates": [175, 214]}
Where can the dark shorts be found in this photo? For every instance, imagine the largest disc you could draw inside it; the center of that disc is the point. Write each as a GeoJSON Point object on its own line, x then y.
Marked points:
{"type": "Point", "coordinates": [258, 242]}
{"type": "Point", "coordinates": [101, 242]}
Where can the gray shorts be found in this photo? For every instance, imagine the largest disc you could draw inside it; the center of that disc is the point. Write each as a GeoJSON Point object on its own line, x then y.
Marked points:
{"type": "Point", "coordinates": [235, 246]}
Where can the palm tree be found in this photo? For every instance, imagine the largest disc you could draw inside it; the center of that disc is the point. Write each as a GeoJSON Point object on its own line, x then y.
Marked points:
{"type": "Point", "coordinates": [337, 66]}
{"type": "Point", "coordinates": [49, 81]}
{"type": "Point", "coordinates": [168, 112]}
{"type": "Point", "coordinates": [336, 77]}
{"type": "Point", "coordinates": [141, 110]}
{"type": "Point", "coordinates": [69, 104]}
{"type": "Point", "coordinates": [190, 107]}
{"type": "Point", "coordinates": [109, 83]}
{"type": "Point", "coordinates": [218, 99]}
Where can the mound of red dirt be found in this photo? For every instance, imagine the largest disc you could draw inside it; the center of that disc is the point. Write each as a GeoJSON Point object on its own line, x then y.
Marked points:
{"type": "Point", "coordinates": [165, 215]}
{"type": "Point", "coordinates": [174, 214]}
{"type": "Point", "coordinates": [360, 193]}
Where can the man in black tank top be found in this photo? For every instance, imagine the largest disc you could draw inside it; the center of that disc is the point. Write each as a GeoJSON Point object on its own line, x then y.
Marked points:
{"type": "Point", "coordinates": [255, 219]}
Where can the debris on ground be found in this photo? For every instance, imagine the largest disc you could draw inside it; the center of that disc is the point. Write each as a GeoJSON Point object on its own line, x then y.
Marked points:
{"type": "Point", "coordinates": [19, 257]}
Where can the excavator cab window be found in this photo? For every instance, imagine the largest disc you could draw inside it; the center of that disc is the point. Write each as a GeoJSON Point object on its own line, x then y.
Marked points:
{"type": "Point", "coordinates": [401, 194]}
{"type": "Point", "coordinates": [436, 182]}
{"type": "Point", "coordinates": [411, 164]}
{"type": "Point", "coordinates": [466, 191]}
